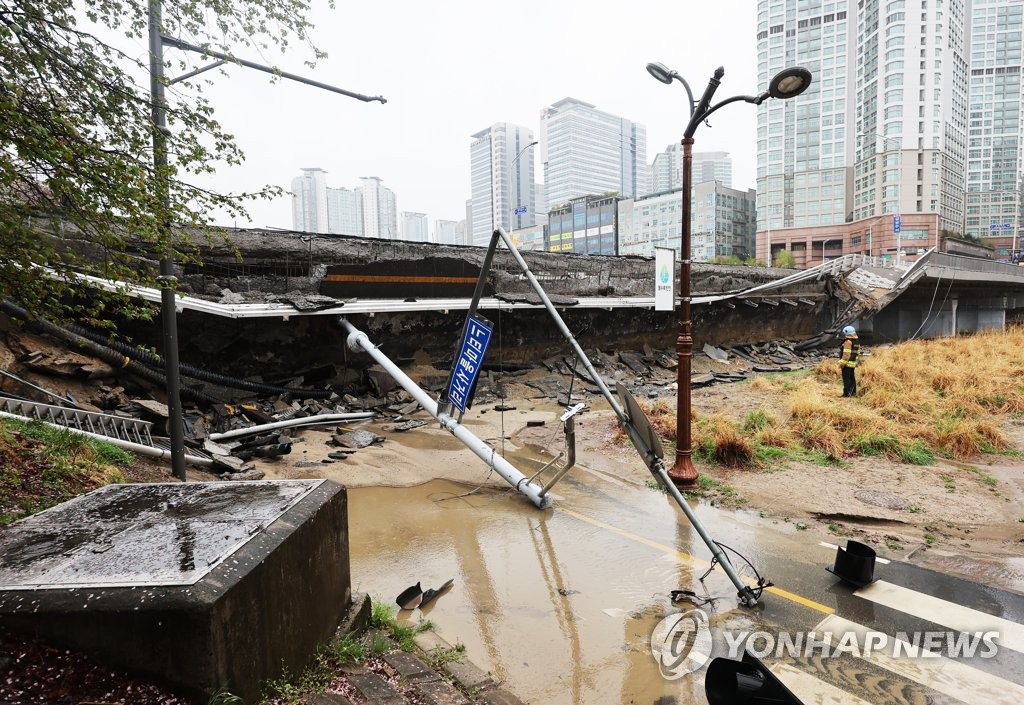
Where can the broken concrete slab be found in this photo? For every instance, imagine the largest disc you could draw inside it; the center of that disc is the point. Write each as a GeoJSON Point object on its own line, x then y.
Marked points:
{"type": "Point", "coordinates": [152, 406]}
{"type": "Point", "coordinates": [404, 426]}
{"type": "Point", "coordinates": [230, 463]}
{"type": "Point", "coordinates": [244, 476]}
{"type": "Point", "coordinates": [356, 439]}
{"type": "Point", "coordinates": [715, 353]}
{"type": "Point", "coordinates": [634, 362]}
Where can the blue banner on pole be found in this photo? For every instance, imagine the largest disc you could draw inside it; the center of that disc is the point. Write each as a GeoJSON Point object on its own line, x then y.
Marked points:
{"type": "Point", "coordinates": [895, 223]}
{"type": "Point", "coordinates": [468, 363]}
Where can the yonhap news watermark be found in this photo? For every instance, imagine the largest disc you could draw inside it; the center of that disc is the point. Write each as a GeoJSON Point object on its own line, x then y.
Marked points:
{"type": "Point", "coordinates": [683, 642]}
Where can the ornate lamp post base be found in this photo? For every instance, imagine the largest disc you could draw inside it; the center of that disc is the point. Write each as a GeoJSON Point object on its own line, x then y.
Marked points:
{"type": "Point", "coordinates": [683, 474]}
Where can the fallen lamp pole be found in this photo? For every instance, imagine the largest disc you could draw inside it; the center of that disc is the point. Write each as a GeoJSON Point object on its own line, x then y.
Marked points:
{"type": "Point", "coordinates": [359, 341]}
{"type": "Point", "coordinates": [638, 428]}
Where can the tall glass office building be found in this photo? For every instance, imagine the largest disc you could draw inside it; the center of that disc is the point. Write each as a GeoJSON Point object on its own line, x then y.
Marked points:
{"type": "Point", "coordinates": [589, 152]}
{"type": "Point", "coordinates": [502, 191]}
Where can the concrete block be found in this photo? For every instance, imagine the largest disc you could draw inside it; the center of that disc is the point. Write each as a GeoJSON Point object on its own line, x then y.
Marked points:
{"type": "Point", "coordinates": [326, 699]}
{"type": "Point", "coordinates": [198, 585]}
{"type": "Point", "coordinates": [467, 675]}
{"type": "Point", "coordinates": [440, 693]}
{"type": "Point", "coordinates": [410, 668]}
{"type": "Point", "coordinates": [358, 616]}
{"type": "Point", "coordinates": [375, 690]}
{"type": "Point", "coordinates": [428, 641]}
{"type": "Point", "coordinates": [499, 696]}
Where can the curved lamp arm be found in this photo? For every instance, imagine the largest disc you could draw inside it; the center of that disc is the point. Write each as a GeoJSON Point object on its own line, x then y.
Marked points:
{"type": "Point", "coordinates": [755, 99]}
{"type": "Point", "coordinates": [689, 94]}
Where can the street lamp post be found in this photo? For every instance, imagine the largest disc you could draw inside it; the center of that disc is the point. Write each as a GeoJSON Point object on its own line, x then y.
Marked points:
{"type": "Point", "coordinates": [786, 84]}
{"type": "Point", "coordinates": [511, 171]}
{"type": "Point", "coordinates": [161, 134]}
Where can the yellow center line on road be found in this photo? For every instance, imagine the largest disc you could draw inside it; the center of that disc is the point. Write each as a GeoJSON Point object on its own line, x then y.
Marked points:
{"type": "Point", "coordinates": [700, 562]}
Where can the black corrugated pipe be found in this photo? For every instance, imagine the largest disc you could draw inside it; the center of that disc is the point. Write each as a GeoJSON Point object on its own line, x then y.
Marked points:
{"type": "Point", "coordinates": [154, 360]}
{"type": "Point", "coordinates": [111, 357]}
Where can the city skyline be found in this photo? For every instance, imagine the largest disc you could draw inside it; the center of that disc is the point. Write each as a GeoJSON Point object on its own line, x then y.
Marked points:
{"type": "Point", "coordinates": [460, 82]}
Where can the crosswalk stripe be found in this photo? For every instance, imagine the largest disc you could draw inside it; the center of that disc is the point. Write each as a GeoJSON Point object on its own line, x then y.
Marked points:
{"type": "Point", "coordinates": [811, 689]}
{"type": "Point", "coordinates": [945, 675]}
{"type": "Point", "coordinates": [948, 614]}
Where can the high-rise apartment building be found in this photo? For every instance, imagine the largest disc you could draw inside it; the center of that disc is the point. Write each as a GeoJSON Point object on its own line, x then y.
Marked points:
{"type": "Point", "coordinates": [502, 191]}
{"type": "Point", "coordinates": [344, 212]}
{"type": "Point", "coordinates": [380, 216]}
{"type": "Point", "coordinates": [309, 201]}
{"type": "Point", "coordinates": [995, 124]}
{"type": "Point", "coordinates": [589, 152]}
{"type": "Point", "coordinates": [368, 210]}
{"type": "Point", "coordinates": [666, 171]}
{"type": "Point", "coordinates": [446, 232]}
{"type": "Point", "coordinates": [881, 130]}
{"type": "Point", "coordinates": [415, 227]}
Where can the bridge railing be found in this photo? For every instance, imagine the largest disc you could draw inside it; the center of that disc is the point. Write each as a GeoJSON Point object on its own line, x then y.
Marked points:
{"type": "Point", "coordinates": [976, 264]}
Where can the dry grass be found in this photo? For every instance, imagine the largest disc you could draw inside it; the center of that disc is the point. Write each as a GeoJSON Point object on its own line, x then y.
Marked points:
{"type": "Point", "coordinates": [719, 438]}
{"type": "Point", "coordinates": [916, 399]}
{"type": "Point", "coordinates": [946, 395]}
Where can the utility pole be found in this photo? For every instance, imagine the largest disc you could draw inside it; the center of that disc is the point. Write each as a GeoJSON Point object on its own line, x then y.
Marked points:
{"type": "Point", "coordinates": [167, 282]}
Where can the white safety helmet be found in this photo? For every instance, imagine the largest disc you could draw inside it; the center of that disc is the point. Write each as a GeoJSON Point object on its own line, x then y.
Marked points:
{"type": "Point", "coordinates": [849, 330]}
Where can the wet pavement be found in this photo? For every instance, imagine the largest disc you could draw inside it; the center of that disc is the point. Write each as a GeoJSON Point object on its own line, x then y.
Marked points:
{"type": "Point", "coordinates": [560, 605]}
{"type": "Point", "coordinates": [136, 535]}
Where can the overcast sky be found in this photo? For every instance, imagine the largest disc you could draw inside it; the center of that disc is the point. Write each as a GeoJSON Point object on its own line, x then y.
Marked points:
{"type": "Point", "coordinates": [449, 68]}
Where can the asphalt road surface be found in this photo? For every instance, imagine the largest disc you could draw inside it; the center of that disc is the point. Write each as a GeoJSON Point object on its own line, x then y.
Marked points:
{"type": "Point", "coordinates": [572, 604]}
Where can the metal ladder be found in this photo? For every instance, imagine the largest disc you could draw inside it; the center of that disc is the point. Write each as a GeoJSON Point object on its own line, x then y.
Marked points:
{"type": "Point", "coordinates": [119, 427]}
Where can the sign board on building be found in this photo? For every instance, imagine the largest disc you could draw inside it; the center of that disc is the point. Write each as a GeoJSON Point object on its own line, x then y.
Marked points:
{"type": "Point", "coordinates": [664, 278]}
{"type": "Point", "coordinates": [520, 210]}
{"type": "Point", "coordinates": [1000, 226]}
{"type": "Point", "coordinates": [468, 363]}
{"type": "Point", "coordinates": [896, 223]}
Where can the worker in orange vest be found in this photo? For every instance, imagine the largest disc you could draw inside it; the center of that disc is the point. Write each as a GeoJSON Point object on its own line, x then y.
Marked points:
{"type": "Point", "coordinates": [848, 361]}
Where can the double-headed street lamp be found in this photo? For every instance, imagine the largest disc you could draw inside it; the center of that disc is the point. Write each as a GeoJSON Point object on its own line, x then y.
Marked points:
{"type": "Point", "coordinates": [786, 84]}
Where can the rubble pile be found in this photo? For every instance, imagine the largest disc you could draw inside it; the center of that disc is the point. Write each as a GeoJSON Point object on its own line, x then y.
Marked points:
{"type": "Point", "coordinates": [233, 429]}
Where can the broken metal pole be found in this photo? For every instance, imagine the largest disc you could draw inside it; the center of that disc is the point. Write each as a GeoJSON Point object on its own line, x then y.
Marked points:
{"type": "Point", "coordinates": [357, 340]}
{"type": "Point", "coordinates": [445, 405]}
{"type": "Point", "coordinates": [650, 457]}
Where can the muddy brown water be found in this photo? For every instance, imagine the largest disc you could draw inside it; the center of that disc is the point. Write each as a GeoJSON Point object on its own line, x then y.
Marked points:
{"type": "Point", "coordinates": [545, 602]}
{"type": "Point", "coordinates": [559, 605]}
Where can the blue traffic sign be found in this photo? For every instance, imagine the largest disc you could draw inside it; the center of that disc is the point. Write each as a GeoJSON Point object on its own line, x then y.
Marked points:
{"type": "Point", "coordinates": [468, 363]}
{"type": "Point", "coordinates": [895, 223]}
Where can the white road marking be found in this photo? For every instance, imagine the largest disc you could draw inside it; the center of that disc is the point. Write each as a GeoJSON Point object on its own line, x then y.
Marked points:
{"type": "Point", "coordinates": [811, 689]}
{"type": "Point", "coordinates": [945, 675]}
{"type": "Point", "coordinates": [948, 614]}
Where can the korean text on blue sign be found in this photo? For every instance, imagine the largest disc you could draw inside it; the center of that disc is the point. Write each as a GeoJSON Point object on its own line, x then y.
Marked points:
{"type": "Point", "coordinates": [467, 365]}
